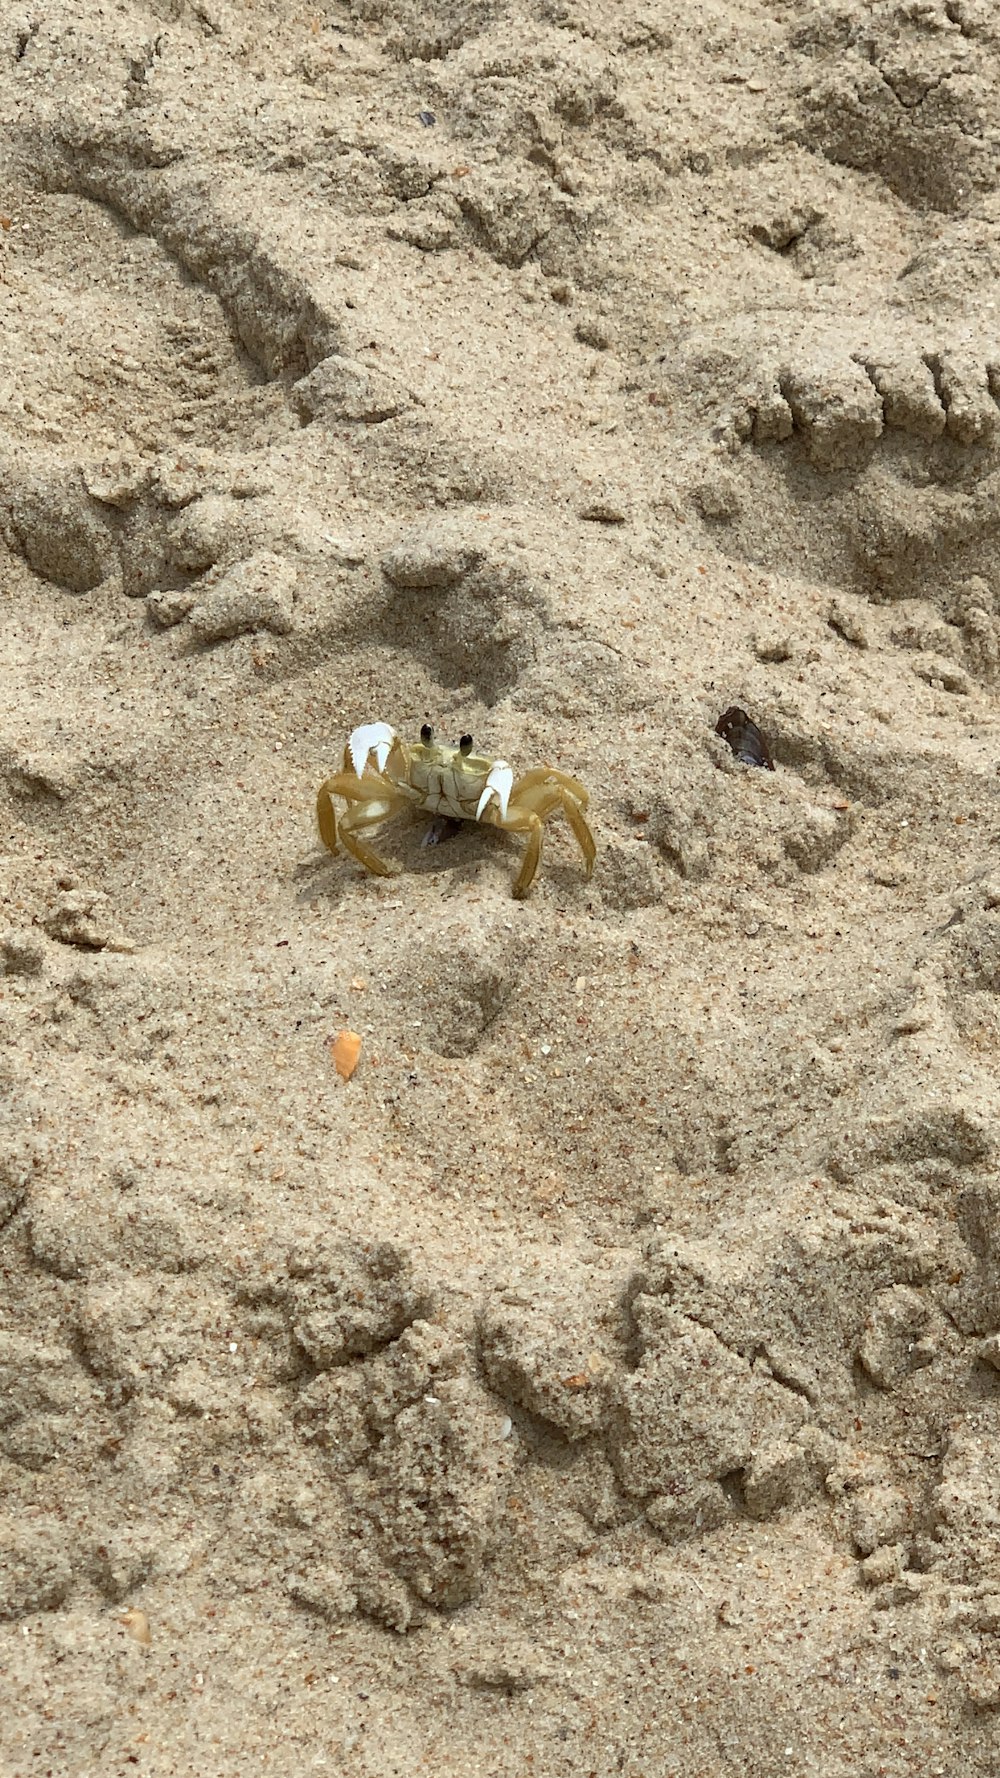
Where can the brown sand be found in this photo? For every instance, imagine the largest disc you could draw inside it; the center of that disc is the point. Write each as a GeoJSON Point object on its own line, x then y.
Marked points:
{"type": "Point", "coordinates": [604, 1380]}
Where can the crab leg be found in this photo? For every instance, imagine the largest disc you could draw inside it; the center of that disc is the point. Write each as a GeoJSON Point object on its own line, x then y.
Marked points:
{"type": "Point", "coordinates": [540, 775]}
{"type": "Point", "coordinates": [547, 790]}
{"type": "Point", "coordinates": [524, 821]}
{"type": "Point", "coordinates": [341, 784]}
{"type": "Point", "coordinates": [370, 800]}
{"type": "Point", "coordinates": [581, 830]}
{"type": "Point", "coordinates": [528, 811]}
{"type": "Point", "coordinates": [359, 815]}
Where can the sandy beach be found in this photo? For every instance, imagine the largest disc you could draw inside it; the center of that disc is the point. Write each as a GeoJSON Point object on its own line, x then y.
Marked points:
{"type": "Point", "coordinates": [603, 1381]}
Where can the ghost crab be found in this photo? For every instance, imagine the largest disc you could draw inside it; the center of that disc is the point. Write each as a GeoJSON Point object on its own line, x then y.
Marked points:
{"type": "Point", "coordinates": [448, 781]}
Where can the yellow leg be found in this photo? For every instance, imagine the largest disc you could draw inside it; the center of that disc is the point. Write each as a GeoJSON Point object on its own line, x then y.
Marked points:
{"type": "Point", "coordinates": [581, 832]}
{"type": "Point", "coordinates": [550, 775]}
{"type": "Point", "coordinates": [524, 821]}
{"type": "Point", "coordinates": [370, 815]}
{"type": "Point", "coordinates": [326, 815]}
{"type": "Point", "coordinates": [532, 802]}
{"type": "Point", "coordinates": [370, 800]}
{"type": "Point", "coordinates": [353, 790]}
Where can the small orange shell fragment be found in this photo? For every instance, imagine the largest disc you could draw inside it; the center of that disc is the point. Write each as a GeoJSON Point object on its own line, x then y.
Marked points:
{"type": "Point", "coordinates": [137, 1624]}
{"type": "Point", "coordinates": [345, 1050]}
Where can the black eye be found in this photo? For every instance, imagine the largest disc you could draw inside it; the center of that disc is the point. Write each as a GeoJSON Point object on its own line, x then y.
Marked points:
{"type": "Point", "coordinates": [427, 734]}
{"type": "Point", "coordinates": [465, 744]}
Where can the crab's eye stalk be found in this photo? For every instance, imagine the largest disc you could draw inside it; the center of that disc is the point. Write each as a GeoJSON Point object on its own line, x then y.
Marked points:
{"type": "Point", "coordinates": [465, 745]}
{"type": "Point", "coordinates": [427, 734]}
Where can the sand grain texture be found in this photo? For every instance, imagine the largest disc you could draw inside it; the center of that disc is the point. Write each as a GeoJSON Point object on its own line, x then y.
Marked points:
{"type": "Point", "coordinates": [605, 1378]}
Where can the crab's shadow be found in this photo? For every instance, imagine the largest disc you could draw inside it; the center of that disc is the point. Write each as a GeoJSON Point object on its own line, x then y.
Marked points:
{"type": "Point", "coordinates": [404, 843]}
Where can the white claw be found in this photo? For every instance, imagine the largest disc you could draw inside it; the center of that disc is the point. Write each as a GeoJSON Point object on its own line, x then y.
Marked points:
{"type": "Point", "coordinates": [499, 784]}
{"type": "Point", "coordinates": [372, 737]}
